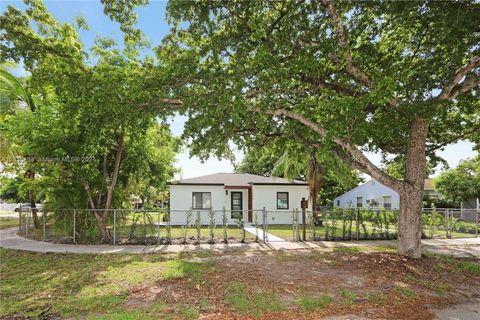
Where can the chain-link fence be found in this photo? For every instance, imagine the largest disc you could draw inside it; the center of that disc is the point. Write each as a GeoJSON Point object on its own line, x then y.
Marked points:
{"type": "Point", "coordinates": [367, 224]}
{"type": "Point", "coordinates": [162, 226]}
{"type": "Point", "coordinates": [133, 226]}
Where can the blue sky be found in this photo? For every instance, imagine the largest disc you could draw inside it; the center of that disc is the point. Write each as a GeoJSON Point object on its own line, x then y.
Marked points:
{"type": "Point", "coordinates": [151, 20]}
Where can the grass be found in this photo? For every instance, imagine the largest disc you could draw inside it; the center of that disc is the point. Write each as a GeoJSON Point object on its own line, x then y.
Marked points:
{"type": "Point", "coordinates": [336, 229]}
{"type": "Point", "coordinates": [241, 300]}
{"type": "Point", "coordinates": [347, 249]}
{"type": "Point", "coordinates": [406, 292]}
{"type": "Point", "coordinates": [8, 212]}
{"type": "Point", "coordinates": [183, 269]}
{"type": "Point", "coordinates": [311, 303]}
{"type": "Point", "coordinates": [151, 231]}
{"type": "Point", "coordinates": [68, 285]}
{"type": "Point", "coordinates": [470, 267]}
{"type": "Point", "coordinates": [191, 285]}
{"type": "Point", "coordinates": [378, 248]}
{"type": "Point", "coordinates": [347, 296]}
{"type": "Point", "coordinates": [8, 222]}
{"type": "Point", "coordinates": [376, 298]}
{"type": "Point", "coordinates": [448, 263]}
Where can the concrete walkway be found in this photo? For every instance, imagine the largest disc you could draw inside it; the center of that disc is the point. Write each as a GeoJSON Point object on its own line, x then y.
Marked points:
{"type": "Point", "coordinates": [469, 248]}
{"type": "Point", "coordinates": [258, 231]}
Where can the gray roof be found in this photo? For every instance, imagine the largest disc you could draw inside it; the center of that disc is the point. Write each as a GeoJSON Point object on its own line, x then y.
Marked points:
{"type": "Point", "coordinates": [238, 179]}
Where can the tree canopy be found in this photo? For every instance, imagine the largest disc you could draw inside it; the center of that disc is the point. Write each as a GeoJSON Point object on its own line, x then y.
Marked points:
{"type": "Point", "coordinates": [95, 131]}
{"type": "Point", "coordinates": [461, 183]}
{"type": "Point", "coordinates": [398, 78]}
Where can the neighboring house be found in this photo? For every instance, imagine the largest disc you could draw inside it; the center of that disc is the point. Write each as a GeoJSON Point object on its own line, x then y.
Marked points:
{"type": "Point", "coordinates": [375, 195]}
{"type": "Point", "coordinates": [371, 194]}
{"type": "Point", "coordinates": [242, 195]}
{"type": "Point", "coordinates": [429, 190]}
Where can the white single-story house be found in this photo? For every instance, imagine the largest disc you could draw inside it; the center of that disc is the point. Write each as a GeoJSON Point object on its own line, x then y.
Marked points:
{"type": "Point", "coordinates": [241, 194]}
{"type": "Point", "coordinates": [373, 194]}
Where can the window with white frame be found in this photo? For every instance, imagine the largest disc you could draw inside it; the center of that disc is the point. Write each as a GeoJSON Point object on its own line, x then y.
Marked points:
{"type": "Point", "coordinates": [201, 200]}
{"type": "Point", "coordinates": [387, 202]}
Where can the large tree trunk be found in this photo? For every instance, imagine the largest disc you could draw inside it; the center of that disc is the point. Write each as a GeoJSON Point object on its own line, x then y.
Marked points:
{"type": "Point", "coordinates": [410, 221]}
{"type": "Point", "coordinates": [315, 181]}
{"type": "Point", "coordinates": [99, 214]}
{"type": "Point", "coordinates": [30, 174]}
{"type": "Point", "coordinates": [116, 168]}
{"type": "Point", "coordinates": [102, 215]}
{"type": "Point", "coordinates": [410, 224]}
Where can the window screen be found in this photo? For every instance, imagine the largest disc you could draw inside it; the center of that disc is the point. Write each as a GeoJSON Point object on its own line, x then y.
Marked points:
{"type": "Point", "coordinates": [359, 202]}
{"type": "Point", "coordinates": [282, 200]}
{"type": "Point", "coordinates": [387, 202]}
{"type": "Point", "coordinates": [201, 200]}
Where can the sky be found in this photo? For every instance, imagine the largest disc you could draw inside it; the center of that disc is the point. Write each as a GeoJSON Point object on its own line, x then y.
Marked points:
{"type": "Point", "coordinates": [151, 20]}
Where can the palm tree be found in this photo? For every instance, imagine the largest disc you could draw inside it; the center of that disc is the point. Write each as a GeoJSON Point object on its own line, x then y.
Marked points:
{"type": "Point", "coordinates": [14, 96]}
{"type": "Point", "coordinates": [292, 166]}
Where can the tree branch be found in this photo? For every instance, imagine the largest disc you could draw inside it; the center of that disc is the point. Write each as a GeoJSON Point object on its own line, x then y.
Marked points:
{"type": "Point", "coordinates": [172, 101]}
{"type": "Point", "coordinates": [321, 83]}
{"type": "Point", "coordinates": [433, 147]}
{"type": "Point", "coordinates": [470, 82]}
{"type": "Point", "coordinates": [351, 68]}
{"type": "Point", "coordinates": [448, 92]}
{"type": "Point", "coordinates": [86, 186]}
{"type": "Point", "coordinates": [363, 162]}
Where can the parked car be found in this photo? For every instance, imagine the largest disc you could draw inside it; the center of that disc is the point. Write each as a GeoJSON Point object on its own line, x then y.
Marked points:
{"type": "Point", "coordinates": [27, 206]}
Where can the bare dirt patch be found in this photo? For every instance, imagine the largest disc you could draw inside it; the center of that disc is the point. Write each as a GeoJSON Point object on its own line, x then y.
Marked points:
{"type": "Point", "coordinates": [361, 286]}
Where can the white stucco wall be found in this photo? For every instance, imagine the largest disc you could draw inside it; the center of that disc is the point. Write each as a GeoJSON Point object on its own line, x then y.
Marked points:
{"type": "Point", "coordinates": [181, 201]}
{"type": "Point", "coordinates": [369, 190]}
{"type": "Point", "coordinates": [263, 196]}
{"type": "Point", "coordinates": [266, 196]}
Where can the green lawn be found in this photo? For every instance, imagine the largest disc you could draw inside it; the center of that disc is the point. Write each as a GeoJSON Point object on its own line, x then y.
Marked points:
{"type": "Point", "coordinates": [8, 222]}
{"type": "Point", "coordinates": [334, 229]}
{"type": "Point", "coordinates": [8, 212]}
{"type": "Point", "coordinates": [152, 232]}
{"type": "Point", "coordinates": [68, 285]}
{"type": "Point", "coordinates": [178, 232]}
{"type": "Point", "coordinates": [227, 285]}
{"type": "Point", "coordinates": [286, 232]}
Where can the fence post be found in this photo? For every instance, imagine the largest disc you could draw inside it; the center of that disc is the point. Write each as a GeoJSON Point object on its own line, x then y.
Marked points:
{"type": "Point", "coordinates": [297, 235]}
{"type": "Point", "coordinates": [445, 224]}
{"type": "Point", "coordinates": [357, 224]}
{"type": "Point", "coordinates": [43, 222]}
{"type": "Point", "coordinates": [256, 226]}
{"type": "Point", "coordinates": [293, 224]}
{"type": "Point", "coordinates": [28, 224]}
{"type": "Point", "coordinates": [74, 223]}
{"type": "Point", "coordinates": [476, 224]}
{"type": "Point", "coordinates": [304, 231]}
{"type": "Point", "coordinates": [264, 218]}
{"type": "Point", "coordinates": [20, 219]}
{"type": "Point", "coordinates": [114, 226]}
{"type": "Point", "coordinates": [158, 224]}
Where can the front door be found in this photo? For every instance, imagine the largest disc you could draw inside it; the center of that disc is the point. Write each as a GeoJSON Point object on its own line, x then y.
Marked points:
{"type": "Point", "coordinates": [237, 205]}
